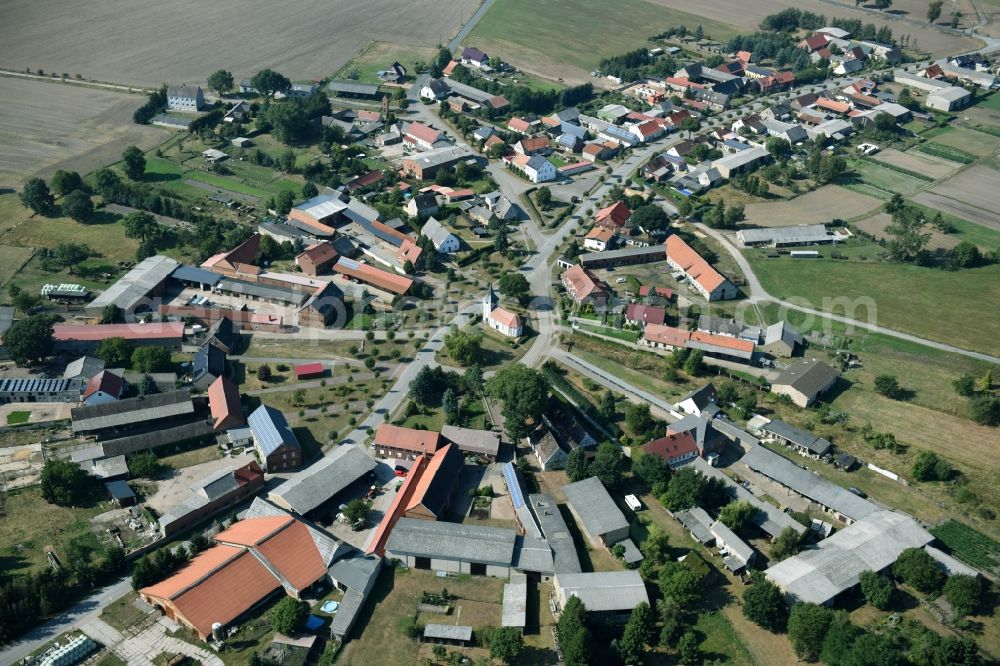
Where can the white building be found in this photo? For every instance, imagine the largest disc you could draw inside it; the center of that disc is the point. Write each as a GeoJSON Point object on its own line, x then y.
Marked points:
{"type": "Point", "coordinates": [536, 168]}
{"type": "Point", "coordinates": [185, 98]}
{"type": "Point", "coordinates": [502, 321]}
{"type": "Point", "coordinates": [444, 241]}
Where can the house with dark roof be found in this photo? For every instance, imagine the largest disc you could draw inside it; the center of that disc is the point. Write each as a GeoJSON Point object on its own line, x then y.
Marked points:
{"type": "Point", "coordinates": [475, 57]}
{"type": "Point", "coordinates": [701, 428]}
{"type": "Point", "coordinates": [103, 387]}
{"type": "Point", "coordinates": [699, 400]}
{"type": "Point", "coordinates": [804, 381]}
{"type": "Point", "coordinates": [83, 368]}
{"type": "Point", "coordinates": [224, 335]}
{"type": "Point", "coordinates": [273, 439]}
{"type": "Point", "coordinates": [209, 364]}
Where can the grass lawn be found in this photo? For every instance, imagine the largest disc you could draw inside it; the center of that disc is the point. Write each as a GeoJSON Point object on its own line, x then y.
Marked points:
{"type": "Point", "coordinates": [393, 606]}
{"type": "Point", "coordinates": [11, 259]}
{"type": "Point", "coordinates": [625, 335]}
{"type": "Point", "coordinates": [721, 641]}
{"type": "Point", "coordinates": [195, 456]}
{"type": "Point", "coordinates": [992, 102]}
{"type": "Point", "coordinates": [379, 55]}
{"type": "Point", "coordinates": [574, 33]}
{"type": "Point", "coordinates": [31, 524]}
{"type": "Point", "coordinates": [914, 299]}
{"type": "Point", "coordinates": [885, 178]}
{"type": "Point", "coordinates": [121, 613]}
{"type": "Point", "coordinates": [17, 418]}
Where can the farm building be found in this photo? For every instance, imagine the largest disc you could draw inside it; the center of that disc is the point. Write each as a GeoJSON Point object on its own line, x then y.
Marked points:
{"type": "Point", "coordinates": [212, 494]}
{"type": "Point", "coordinates": [393, 441]}
{"type": "Point", "coordinates": [224, 403]}
{"type": "Point", "coordinates": [802, 441]}
{"type": "Point", "coordinates": [470, 441]}
{"type": "Point", "coordinates": [322, 481]}
{"type": "Point", "coordinates": [436, 487]}
{"type": "Point", "coordinates": [819, 575]}
{"type": "Point", "coordinates": [310, 371]}
{"type": "Point", "coordinates": [802, 234]}
{"type": "Point", "coordinates": [134, 415]}
{"type": "Point", "coordinates": [317, 259]}
{"type": "Point", "coordinates": [133, 291]}
{"type": "Point", "coordinates": [426, 165]}
{"type": "Point", "coordinates": [273, 439]}
{"type": "Point", "coordinates": [40, 390]}
{"type": "Point", "coordinates": [514, 612]}
{"type": "Point", "coordinates": [608, 596]}
{"type": "Point", "coordinates": [736, 553]}
{"type": "Point", "coordinates": [836, 500]}
{"type": "Point", "coordinates": [103, 387]}
{"type": "Point", "coordinates": [780, 339]}
{"type": "Point", "coordinates": [86, 338]}
{"type": "Point", "coordinates": [352, 89]}
{"type": "Point", "coordinates": [706, 280]}
{"type": "Point", "coordinates": [624, 256]}
{"type": "Point", "coordinates": [392, 283]}
{"type": "Point", "coordinates": [595, 511]}
{"type": "Point", "coordinates": [555, 532]}
{"type": "Point", "coordinates": [209, 364]}
{"type": "Point", "coordinates": [185, 98]}
{"type": "Point", "coordinates": [440, 546]}
{"type": "Point", "coordinates": [804, 381]}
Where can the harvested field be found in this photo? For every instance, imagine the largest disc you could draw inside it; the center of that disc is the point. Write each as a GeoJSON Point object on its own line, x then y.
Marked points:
{"type": "Point", "coordinates": [47, 126]}
{"type": "Point", "coordinates": [11, 260]}
{"type": "Point", "coordinates": [876, 224]}
{"type": "Point", "coordinates": [814, 207]}
{"type": "Point", "coordinates": [970, 195]}
{"type": "Point", "coordinates": [748, 16]}
{"type": "Point", "coordinates": [873, 175]}
{"type": "Point", "coordinates": [154, 42]}
{"type": "Point", "coordinates": [567, 38]}
{"type": "Point", "coordinates": [928, 165]}
{"type": "Point", "coordinates": [968, 141]}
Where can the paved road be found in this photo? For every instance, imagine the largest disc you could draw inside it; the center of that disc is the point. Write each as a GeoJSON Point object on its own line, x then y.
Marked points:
{"type": "Point", "coordinates": [758, 295]}
{"type": "Point", "coordinates": [87, 609]}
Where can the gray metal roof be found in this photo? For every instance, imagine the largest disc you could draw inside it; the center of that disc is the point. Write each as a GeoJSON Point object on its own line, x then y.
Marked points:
{"type": "Point", "coordinates": [949, 564]}
{"type": "Point", "coordinates": [784, 332]}
{"type": "Point", "coordinates": [807, 483]}
{"type": "Point", "coordinates": [741, 158]}
{"type": "Point", "coordinates": [632, 553]}
{"type": "Point", "coordinates": [314, 485]}
{"type": "Point", "coordinates": [592, 503]}
{"type": "Point", "coordinates": [270, 429]}
{"type": "Point", "coordinates": [872, 544]}
{"type": "Point", "coordinates": [267, 292]}
{"type": "Point", "coordinates": [556, 533]}
{"type": "Point", "coordinates": [697, 522]}
{"type": "Point", "coordinates": [350, 608]}
{"type": "Point", "coordinates": [194, 274]}
{"type": "Point", "coordinates": [603, 590]}
{"type": "Point", "coordinates": [803, 234]}
{"type": "Point", "coordinates": [531, 554]}
{"type": "Point", "coordinates": [356, 571]}
{"type": "Point", "coordinates": [467, 91]}
{"type": "Point", "coordinates": [441, 156]}
{"type": "Point", "coordinates": [216, 485]}
{"type": "Point", "coordinates": [106, 468]}
{"type": "Point", "coordinates": [797, 436]}
{"type": "Point", "coordinates": [769, 518]}
{"type": "Point", "coordinates": [353, 88]}
{"type": "Point", "coordinates": [657, 250]}
{"type": "Point", "coordinates": [451, 541]}
{"type": "Point", "coordinates": [451, 632]}
{"type": "Point", "coordinates": [119, 490]}
{"type": "Point", "coordinates": [726, 538]}
{"type": "Point", "coordinates": [470, 440]}
{"type": "Point", "coordinates": [515, 602]}
{"type": "Point", "coordinates": [132, 410]}
{"type": "Point", "coordinates": [84, 367]}
{"type": "Point", "coordinates": [136, 284]}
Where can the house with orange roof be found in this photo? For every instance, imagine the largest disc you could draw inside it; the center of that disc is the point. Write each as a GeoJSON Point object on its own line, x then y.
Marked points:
{"type": "Point", "coordinates": [675, 449]}
{"type": "Point", "coordinates": [599, 238]}
{"type": "Point", "coordinates": [721, 345]}
{"type": "Point", "coordinates": [833, 105]}
{"type": "Point", "coordinates": [614, 216]}
{"type": "Point", "coordinates": [438, 481]}
{"type": "Point", "coordinates": [404, 495]}
{"type": "Point", "coordinates": [376, 277]}
{"type": "Point", "coordinates": [700, 274]}
{"type": "Point", "coordinates": [422, 136]}
{"type": "Point", "coordinates": [392, 441]}
{"type": "Point", "coordinates": [224, 403]}
{"type": "Point", "coordinates": [583, 286]}
{"type": "Point", "coordinates": [533, 145]}
{"type": "Point", "coordinates": [659, 336]}
{"type": "Point", "coordinates": [519, 125]}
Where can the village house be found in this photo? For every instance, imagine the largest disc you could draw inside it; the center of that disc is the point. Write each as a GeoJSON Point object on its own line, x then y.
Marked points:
{"type": "Point", "coordinates": [103, 387]}
{"type": "Point", "coordinates": [422, 136]}
{"type": "Point", "coordinates": [804, 381]}
{"type": "Point", "coordinates": [599, 239]}
{"type": "Point", "coordinates": [641, 314]}
{"type": "Point", "coordinates": [445, 242]}
{"type": "Point", "coordinates": [275, 443]}
{"type": "Point", "coordinates": [185, 98]}
{"type": "Point", "coordinates": [393, 441]}
{"type": "Point", "coordinates": [317, 259]}
{"type": "Point", "coordinates": [533, 145]}
{"type": "Point", "coordinates": [536, 168]}
{"type": "Point", "coordinates": [583, 286]}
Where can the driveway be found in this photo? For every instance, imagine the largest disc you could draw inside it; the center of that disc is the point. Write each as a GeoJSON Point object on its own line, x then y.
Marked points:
{"type": "Point", "coordinates": [141, 648]}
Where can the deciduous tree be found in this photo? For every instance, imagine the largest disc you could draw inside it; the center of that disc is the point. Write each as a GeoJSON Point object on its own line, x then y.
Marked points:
{"type": "Point", "coordinates": [29, 341]}
{"type": "Point", "coordinates": [133, 163]}
{"type": "Point", "coordinates": [877, 589]}
{"type": "Point", "coordinates": [36, 196]}
{"type": "Point", "coordinates": [115, 352]}
{"type": "Point", "coordinates": [220, 81]}
{"type": "Point", "coordinates": [764, 604]}
{"type": "Point", "coordinates": [289, 615]}
{"type": "Point", "coordinates": [807, 627]}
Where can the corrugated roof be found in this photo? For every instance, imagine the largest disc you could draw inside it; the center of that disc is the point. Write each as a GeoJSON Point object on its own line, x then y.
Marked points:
{"type": "Point", "coordinates": [194, 274]}
{"type": "Point", "coordinates": [135, 285]}
{"type": "Point", "coordinates": [132, 411]}
{"type": "Point", "coordinates": [514, 612]}
{"type": "Point", "coordinates": [319, 482]}
{"type": "Point", "coordinates": [604, 590]}
{"type": "Point", "coordinates": [556, 533]}
{"type": "Point", "coordinates": [98, 332]}
{"type": "Point", "coordinates": [452, 541]}
{"type": "Point", "coordinates": [592, 503]}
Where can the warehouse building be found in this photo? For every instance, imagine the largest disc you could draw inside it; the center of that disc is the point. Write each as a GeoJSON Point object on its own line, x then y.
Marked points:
{"type": "Point", "coordinates": [440, 546]}
{"type": "Point", "coordinates": [314, 486]}
{"type": "Point", "coordinates": [76, 339]}
{"type": "Point", "coordinates": [133, 291]}
{"type": "Point", "coordinates": [609, 596]}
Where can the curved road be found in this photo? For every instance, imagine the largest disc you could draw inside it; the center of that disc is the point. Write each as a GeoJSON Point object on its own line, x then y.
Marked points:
{"type": "Point", "coordinates": [758, 295]}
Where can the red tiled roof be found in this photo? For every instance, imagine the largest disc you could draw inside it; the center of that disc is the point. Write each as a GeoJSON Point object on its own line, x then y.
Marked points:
{"type": "Point", "coordinates": [617, 213]}
{"type": "Point", "coordinates": [307, 369]}
{"type": "Point", "coordinates": [817, 41]}
{"type": "Point", "coordinates": [292, 551]}
{"type": "Point", "coordinates": [398, 507]}
{"type": "Point", "coordinates": [581, 283]}
{"type": "Point", "coordinates": [647, 314]}
{"type": "Point", "coordinates": [659, 291]}
{"type": "Point", "coordinates": [449, 68]}
{"type": "Point", "coordinates": [648, 128]}
{"type": "Point", "coordinates": [407, 439]}
{"type": "Point", "coordinates": [693, 263]}
{"type": "Point", "coordinates": [506, 317]}
{"type": "Point", "coordinates": [430, 475]}
{"type": "Point", "coordinates": [105, 381]}
{"type": "Point", "coordinates": [722, 341]}
{"type": "Point", "coordinates": [365, 180]}
{"type": "Point", "coordinates": [532, 144]}
{"type": "Point", "coordinates": [319, 253]}
{"type": "Point", "coordinates": [672, 446]}
{"type": "Point", "coordinates": [397, 284]}
{"type": "Point", "coordinates": [666, 335]}
{"type": "Point", "coordinates": [97, 332]}
{"type": "Point", "coordinates": [833, 105]}
{"type": "Point", "coordinates": [602, 234]}
{"type": "Point", "coordinates": [423, 133]}
{"type": "Point", "coordinates": [224, 401]}
{"type": "Point", "coordinates": [518, 125]}
{"type": "Point", "coordinates": [251, 532]}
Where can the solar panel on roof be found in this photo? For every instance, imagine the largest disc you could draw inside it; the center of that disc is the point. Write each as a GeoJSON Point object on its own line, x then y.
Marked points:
{"type": "Point", "coordinates": [510, 475]}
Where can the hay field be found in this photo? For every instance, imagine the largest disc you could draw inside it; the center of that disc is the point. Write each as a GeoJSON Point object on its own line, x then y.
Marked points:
{"type": "Point", "coordinates": [567, 38]}
{"type": "Point", "coordinates": [970, 195]}
{"type": "Point", "coordinates": [747, 16]}
{"type": "Point", "coordinates": [818, 206]}
{"type": "Point", "coordinates": [932, 167]}
{"type": "Point", "coordinates": [47, 126]}
{"type": "Point", "coordinates": [11, 259]}
{"type": "Point", "coordinates": [146, 42]}
{"type": "Point", "coordinates": [967, 140]}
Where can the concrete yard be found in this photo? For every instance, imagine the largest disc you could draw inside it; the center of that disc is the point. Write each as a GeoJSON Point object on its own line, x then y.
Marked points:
{"type": "Point", "coordinates": [175, 489]}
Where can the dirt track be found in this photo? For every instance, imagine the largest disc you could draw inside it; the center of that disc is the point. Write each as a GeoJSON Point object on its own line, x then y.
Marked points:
{"type": "Point", "coordinates": [146, 42]}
